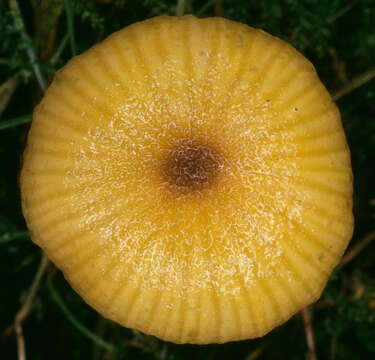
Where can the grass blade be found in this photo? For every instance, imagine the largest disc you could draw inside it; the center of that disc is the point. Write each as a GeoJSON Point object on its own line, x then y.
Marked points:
{"type": "Point", "coordinates": [70, 19]}
{"type": "Point", "coordinates": [6, 124]}
{"type": "Point", "coordinates": [80, 327]}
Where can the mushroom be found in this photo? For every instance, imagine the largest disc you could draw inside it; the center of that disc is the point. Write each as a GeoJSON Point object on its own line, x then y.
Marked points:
{"type": "Point", "coordinates": [191, 178]}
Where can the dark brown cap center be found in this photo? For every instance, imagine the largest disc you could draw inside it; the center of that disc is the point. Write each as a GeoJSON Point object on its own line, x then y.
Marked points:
{"type": "Point", "coordinates": [191, 165]}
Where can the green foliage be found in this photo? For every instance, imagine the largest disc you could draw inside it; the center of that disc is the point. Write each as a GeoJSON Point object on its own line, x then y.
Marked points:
{"type": "Point", "coordinates": [12, 57]}
{"type": "Point", "coordinates": [338, 36]}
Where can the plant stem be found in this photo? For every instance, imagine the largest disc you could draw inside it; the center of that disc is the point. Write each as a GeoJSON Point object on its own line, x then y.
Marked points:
{"type": "Point", "coordinates": [6, 91]}
{"type": "Point", "coordinates": [180, 8]}
{"type": "Point", "coordinates": [343, 11]}
{"type": "Point", "coordinates": [306, 317]}
{"type": "Point", "coordinates": [70, 19]}
{"type": "Point", "coordinates": [55, 57]}
{"type": "Point", "coordinates": [15, 122]}
{"type": "Point", "coordinates": [354, 84]}
{"type": "Point", "coordinates": [219, 8]}
{"type": "Point", "coordinates": [205, 7]}
{"type": "Point", "coordinates": [27, 306]}
{"type": "Point", "coordinates": [358, 247]}
{"type": "Point", "coordinates": [80, 327]}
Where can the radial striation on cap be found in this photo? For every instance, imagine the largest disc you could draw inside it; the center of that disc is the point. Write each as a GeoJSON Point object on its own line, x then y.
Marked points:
{"type": "Point", "coordinates": [191, 178]}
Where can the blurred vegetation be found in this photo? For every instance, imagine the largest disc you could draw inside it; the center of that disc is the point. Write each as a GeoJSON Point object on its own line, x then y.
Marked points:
{"type": "Point", "coordinates": [338, 36]}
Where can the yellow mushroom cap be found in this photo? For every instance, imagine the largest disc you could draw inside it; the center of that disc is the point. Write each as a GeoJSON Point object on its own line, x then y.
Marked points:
{"type": "Point", "coordinates": [191, 179]}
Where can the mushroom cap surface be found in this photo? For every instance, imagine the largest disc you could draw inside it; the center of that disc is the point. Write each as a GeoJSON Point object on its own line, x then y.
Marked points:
{"type": "Point", "coordinates": [191, 178]}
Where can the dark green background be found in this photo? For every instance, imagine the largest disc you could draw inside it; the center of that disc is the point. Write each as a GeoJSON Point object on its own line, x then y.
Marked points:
{"type": "Point", "coordinates": [337, 36]}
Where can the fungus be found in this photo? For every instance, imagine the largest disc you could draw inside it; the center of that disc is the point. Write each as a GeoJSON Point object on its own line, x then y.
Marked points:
{"type": "Point", "coordinates": [191, 179]}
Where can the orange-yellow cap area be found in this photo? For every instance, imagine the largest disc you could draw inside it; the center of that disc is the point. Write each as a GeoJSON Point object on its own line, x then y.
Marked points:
{"type": "Point", "coordinates": [222, 262]}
